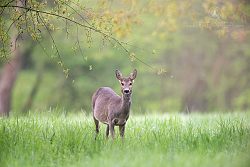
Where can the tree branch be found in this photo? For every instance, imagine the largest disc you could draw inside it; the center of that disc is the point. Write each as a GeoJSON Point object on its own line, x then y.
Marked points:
{"type": "Point", "coordinates": [109, 37]}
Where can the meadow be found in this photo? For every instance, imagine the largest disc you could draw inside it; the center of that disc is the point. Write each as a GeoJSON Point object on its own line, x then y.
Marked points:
{"type": "Point", "coordinates": [49, 139]}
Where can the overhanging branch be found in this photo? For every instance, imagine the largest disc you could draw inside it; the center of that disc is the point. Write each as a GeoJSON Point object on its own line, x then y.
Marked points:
{"type": "Point", "coordinates": [82, 25]}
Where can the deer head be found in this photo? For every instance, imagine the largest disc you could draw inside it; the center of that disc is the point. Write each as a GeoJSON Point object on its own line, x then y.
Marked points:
{"type": "Point", "coordinates": [126, 82]}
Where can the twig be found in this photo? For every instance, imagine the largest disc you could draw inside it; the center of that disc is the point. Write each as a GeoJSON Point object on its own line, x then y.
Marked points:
{"type": "Point", "coordinates": [13, 23]}
{"type": "Point", "coordinates": [59, 56]}
{"type": "Point", "coordinates": [76, 12]}
{"type": "Point", "coordinates": [78, 41]}
{"type": "Point", "coordinates": [6, 5]}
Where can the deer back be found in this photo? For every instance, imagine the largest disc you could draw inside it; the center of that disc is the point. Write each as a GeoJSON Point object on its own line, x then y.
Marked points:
{"type": "Point", "coordinates": [104, 100]}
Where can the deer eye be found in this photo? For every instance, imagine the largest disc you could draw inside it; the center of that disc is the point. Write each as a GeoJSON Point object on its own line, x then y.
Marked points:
{"type": "Point", "coordinates": [122, 84]}
{"type": "Point", "coordinates": [130, 83]}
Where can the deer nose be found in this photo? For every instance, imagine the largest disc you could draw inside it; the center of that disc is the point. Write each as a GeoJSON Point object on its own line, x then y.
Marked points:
{"type": "Point", "coordinates": [126, 91]}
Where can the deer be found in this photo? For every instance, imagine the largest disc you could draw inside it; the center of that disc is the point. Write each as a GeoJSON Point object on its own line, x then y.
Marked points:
{"type": "Point", "coordinates": [111, 109]}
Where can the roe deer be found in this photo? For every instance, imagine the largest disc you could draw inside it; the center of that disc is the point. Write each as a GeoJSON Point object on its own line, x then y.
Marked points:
{"type": "Point", "coordinates": [112, 109]}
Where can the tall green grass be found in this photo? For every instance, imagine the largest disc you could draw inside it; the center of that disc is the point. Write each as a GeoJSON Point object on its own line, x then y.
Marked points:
{"type": "Point", "coordinates": [151, 140]}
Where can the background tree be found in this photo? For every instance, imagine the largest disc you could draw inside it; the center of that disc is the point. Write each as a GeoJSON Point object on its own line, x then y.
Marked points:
{"type": "Point", "coordinates": [35, 18]}
{"type": "Point", "coordinates": [198, 47]}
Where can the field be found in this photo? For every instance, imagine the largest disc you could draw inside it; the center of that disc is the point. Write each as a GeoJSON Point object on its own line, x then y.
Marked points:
{"type": "Point", "coordinates": [48, 139]}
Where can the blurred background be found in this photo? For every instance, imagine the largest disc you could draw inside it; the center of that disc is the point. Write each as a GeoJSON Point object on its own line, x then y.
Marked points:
{"type": "Point", "coordinates": [191, 56]}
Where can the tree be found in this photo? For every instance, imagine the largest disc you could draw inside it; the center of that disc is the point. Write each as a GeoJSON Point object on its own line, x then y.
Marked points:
{"type": "Point", "coordinates": [44, 19]}
{"type": "Point", "coordinates": [10, 72]}
{"type": "Point", "coordinates": [35, 18]}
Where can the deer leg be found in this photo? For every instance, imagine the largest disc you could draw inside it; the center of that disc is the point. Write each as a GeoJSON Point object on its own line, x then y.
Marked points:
{"type": "Point", "coordinates": [96, 127]}
{"type": "Point", "coordinates": [107, 131]}
{"type": "Point", "coordinates": [112, 130]}
{"type": "Point", "coordinates": [122, 130]}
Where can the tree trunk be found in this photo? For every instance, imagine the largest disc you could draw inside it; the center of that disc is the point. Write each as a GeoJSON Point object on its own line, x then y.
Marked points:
{"type": "Point", "coordinates": [9, 74]}
{"type": "Point", "coordinates": [10, 71]}
{"type": "Point", "coordinates": [8, 78]}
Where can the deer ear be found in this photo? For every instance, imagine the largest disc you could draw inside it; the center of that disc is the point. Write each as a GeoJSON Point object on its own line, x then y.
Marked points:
{"type": "Point", "coordinates": [118, 74]}
{"type": "Point", "coordinates": [133, 75]}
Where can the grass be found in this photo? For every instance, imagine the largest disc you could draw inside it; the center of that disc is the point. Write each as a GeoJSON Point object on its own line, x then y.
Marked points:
{"type": "Point", "coordinates": [152, 140]}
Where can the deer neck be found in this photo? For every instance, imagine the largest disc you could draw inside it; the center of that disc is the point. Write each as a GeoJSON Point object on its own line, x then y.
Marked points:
{"type": "Point", "coordinates": [125, 104]}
